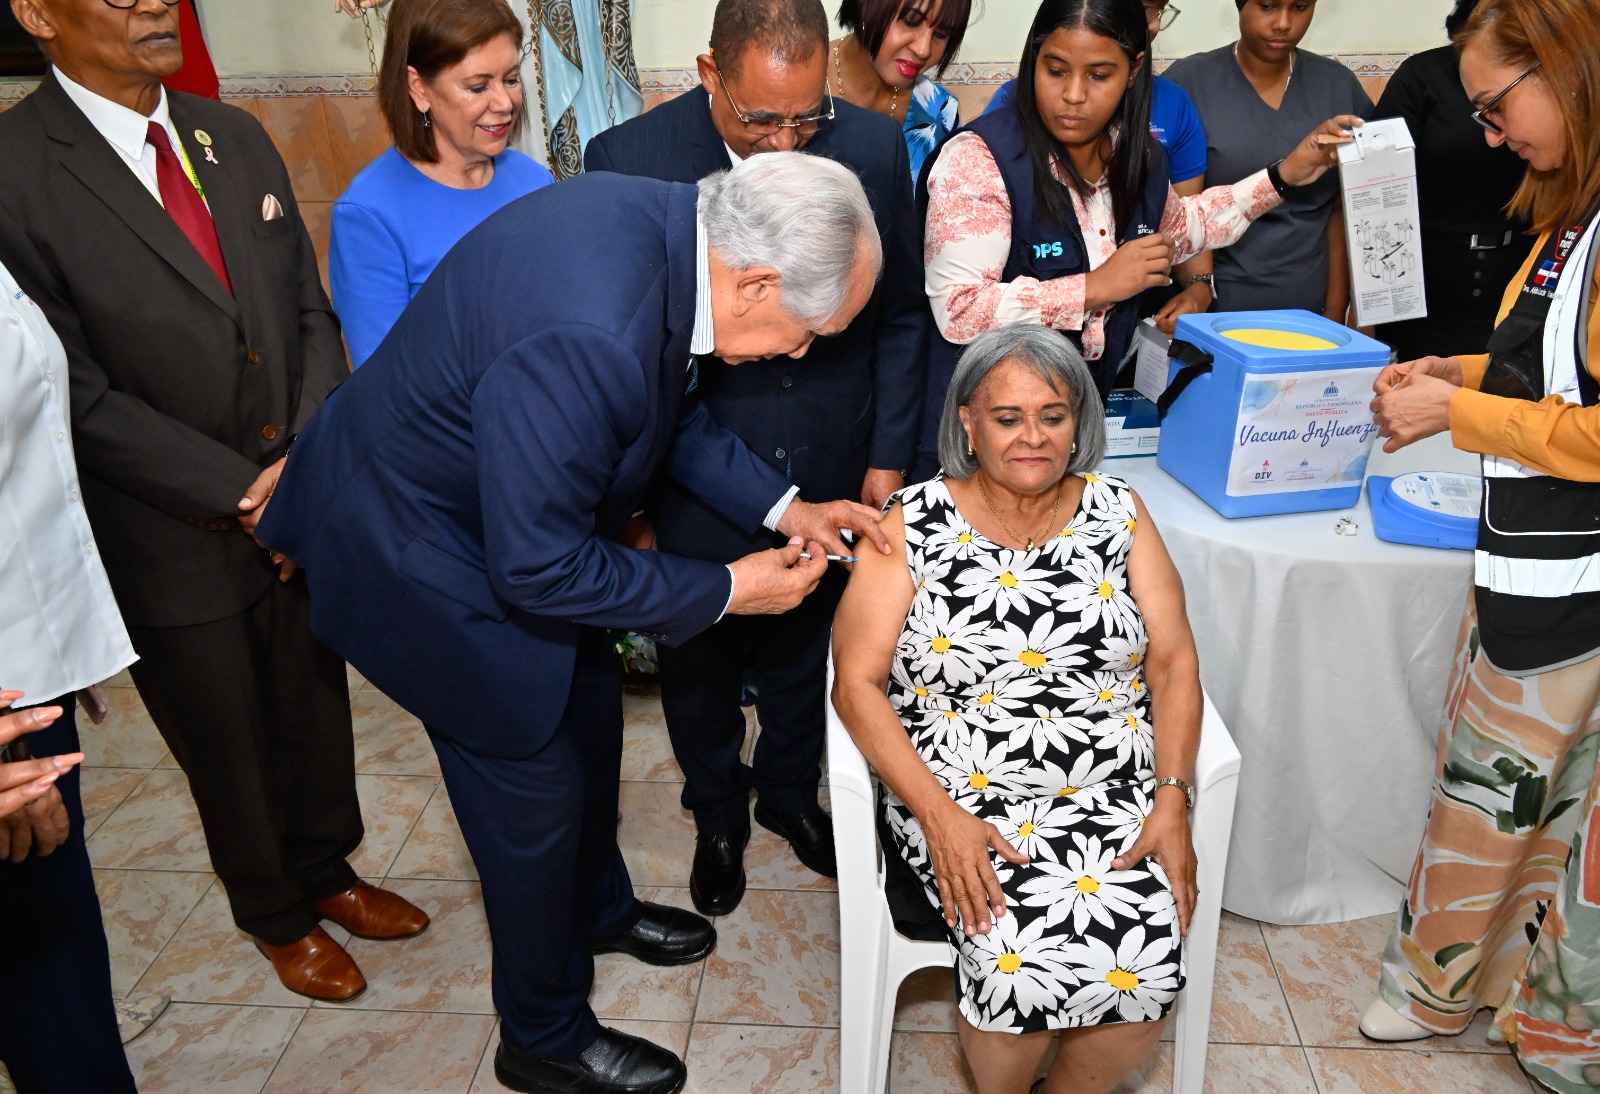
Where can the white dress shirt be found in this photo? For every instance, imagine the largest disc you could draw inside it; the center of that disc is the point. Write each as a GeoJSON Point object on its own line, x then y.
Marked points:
{"type": "Point", "coordinates": [703, 340]}
{"type": "Point", "coordinates": [60, 629]}
{"type": "Point", "coordinates": [125, 130]}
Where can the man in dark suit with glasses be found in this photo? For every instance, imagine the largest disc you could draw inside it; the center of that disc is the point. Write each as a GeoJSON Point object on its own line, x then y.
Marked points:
{"type": "Point", "coordinates": [841, 428]}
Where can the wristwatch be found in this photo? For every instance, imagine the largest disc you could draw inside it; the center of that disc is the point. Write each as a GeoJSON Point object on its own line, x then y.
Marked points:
{"type": "Point", "coordinates": [1173, 780]}
{"type": "Point", "coordinates": [1210, 282]}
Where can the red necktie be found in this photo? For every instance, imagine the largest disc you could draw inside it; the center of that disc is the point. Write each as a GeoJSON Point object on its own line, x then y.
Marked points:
{"type": "Point", "coordinates": [184, 203]}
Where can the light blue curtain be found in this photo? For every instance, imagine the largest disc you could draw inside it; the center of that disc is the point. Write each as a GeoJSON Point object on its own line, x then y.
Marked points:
{"type": "Point", "coordinates": [583, 62]}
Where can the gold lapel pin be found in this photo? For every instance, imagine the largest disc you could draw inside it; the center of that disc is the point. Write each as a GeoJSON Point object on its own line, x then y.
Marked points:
{"type": "Point", "coordinates": [203, 137]}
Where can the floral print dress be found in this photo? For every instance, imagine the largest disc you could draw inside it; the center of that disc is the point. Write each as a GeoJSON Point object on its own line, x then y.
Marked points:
{"type": "Point", "coordinates": [1018, 676]}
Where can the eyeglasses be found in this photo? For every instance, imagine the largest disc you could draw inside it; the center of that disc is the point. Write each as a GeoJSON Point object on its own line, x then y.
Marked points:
{"type": "Point", "coordinates": [129, 5]}
{"type": "Point", "coordinates": [1481, 115]}
{"type": "Point", "coordinates": [768, 124]}
{"type": "Point", "coordinates": [1165, 16]}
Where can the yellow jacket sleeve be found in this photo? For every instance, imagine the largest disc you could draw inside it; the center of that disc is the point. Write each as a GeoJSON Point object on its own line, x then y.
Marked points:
{"type": "Point", "coordinates": [1551, 436]}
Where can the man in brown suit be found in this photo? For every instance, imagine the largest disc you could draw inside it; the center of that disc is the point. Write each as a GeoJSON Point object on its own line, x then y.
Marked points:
{"type": "Point", "coordinates": [158, 233]}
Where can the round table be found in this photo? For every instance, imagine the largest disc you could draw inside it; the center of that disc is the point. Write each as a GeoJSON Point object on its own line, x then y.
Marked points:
{"type": "Point", "coordinates": [1327, 657]}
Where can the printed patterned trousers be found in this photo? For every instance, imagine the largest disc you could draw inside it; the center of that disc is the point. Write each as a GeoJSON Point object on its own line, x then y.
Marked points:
{"type": "Point", "coordinates": [1503, 906]}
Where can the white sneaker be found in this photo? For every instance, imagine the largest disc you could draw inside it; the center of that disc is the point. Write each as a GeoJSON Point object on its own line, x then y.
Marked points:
{"type": "Point", "coordinates": [1381, 1022]}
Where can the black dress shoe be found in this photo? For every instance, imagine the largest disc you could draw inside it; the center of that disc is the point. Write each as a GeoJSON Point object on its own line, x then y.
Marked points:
{"type": "Point", "coordinates": [809, 831]}
{"type": "Point", "coordinates": [663, 936]}
{"type": "Point", "coordinates": [615, 1064]}
{"type": "Point", "coordinates": [716, 880]}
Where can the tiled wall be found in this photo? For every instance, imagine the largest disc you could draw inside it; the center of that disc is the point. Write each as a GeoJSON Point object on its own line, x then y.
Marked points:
{"type": "Point", "coordinates": [327, 139]}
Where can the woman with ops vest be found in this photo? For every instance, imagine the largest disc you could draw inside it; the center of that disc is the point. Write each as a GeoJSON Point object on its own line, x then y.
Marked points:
{"type": "Point", "coordinates": [1056, 209]}
{"type": "Point", "coordinates": [1503, 905]}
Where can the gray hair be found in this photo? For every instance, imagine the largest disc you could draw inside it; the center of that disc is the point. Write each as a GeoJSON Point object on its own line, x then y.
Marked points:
{"type": "Point", "coordinates": [1055, 361]}
{"type": "Point", "coordinates": [804, 216]}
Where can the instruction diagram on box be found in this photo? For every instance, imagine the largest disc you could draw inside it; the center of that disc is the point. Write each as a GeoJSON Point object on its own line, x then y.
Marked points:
{"type": "Point", "coordinates": [1388, 251]}
{"type": "Point", "coordinates": [1378, 182]}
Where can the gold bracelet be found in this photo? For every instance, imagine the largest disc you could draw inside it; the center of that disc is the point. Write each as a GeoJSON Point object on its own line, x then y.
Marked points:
{"type": "Point", "coordinates": [1173, 780]}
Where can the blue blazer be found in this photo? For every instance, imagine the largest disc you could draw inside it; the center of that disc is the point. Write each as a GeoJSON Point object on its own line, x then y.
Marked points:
{"type": "Point", "coordinates": [854, 400]}
{"type": "Point", "coordinates": [454, 503]}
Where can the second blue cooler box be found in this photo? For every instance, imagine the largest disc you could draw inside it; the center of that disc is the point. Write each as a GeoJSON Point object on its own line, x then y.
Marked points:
{"type": "Point", "coordinates": [1279, 419]}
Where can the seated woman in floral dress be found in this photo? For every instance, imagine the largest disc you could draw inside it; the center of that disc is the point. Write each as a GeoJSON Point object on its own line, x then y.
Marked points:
{"type": "Point", "coordinates": [1006, 671]}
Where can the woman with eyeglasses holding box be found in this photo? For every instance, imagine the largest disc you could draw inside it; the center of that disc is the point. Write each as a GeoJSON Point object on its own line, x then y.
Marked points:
{"type": "Point", "coordinates": [1503, 905]}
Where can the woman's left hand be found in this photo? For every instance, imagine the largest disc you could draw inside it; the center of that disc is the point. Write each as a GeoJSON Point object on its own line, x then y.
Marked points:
{"type": "Point", "coordinates": [1165, 837]}
{"type": "Point", "coordinates": [1313, 156]}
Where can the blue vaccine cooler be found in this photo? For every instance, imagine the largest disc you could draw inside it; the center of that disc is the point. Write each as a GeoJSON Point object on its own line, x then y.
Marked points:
{"type": "Point", "coordinates": [1268, 411]}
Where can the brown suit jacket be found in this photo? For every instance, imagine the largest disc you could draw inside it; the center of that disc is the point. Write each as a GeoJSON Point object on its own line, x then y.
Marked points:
{"type": "Point", "coordinates": [181, 393]}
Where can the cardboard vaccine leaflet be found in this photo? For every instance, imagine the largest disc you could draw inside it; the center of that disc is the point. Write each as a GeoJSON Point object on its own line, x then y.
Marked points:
{"type": "Point", "coordinates": [1378, 173]}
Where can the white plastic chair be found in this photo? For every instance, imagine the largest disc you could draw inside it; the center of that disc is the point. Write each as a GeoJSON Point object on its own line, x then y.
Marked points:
{"type": "Point", "coordinates": [874, 958]}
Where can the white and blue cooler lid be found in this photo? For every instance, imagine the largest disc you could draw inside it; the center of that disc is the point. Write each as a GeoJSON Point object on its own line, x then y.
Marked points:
{"type": "Point", "coordinates": [1427, 509]}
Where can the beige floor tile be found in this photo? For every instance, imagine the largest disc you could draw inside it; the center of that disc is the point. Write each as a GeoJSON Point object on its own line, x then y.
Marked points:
{"type": "Point", "coordinates": [354, 679]}
{"type": "Point", "coordinates": [1247, 1005]}
{"type": "Point", "coordinates": [927, 1002]}
{"type": "Point", "coordinates": [435, 849]}
{"type": "Point", "coordinates": [103, 789]}
{"type": "Point", "coordinates": [155, 828]}
{"type": "Point", "coordinates": [390, 806]}
{"type": "Point", "coordinates": [210, 961]}
{"type": "Point", "coordinates": [672, 1035]}
{"type": "Point", "coordinates": [626, 988]}
{"type": "Point", "coordinates": [123, 679]}
{"type": "Point", "coordinates": [646, 749]}
{"type": "Point", "coordinates": [217, 1049]}
{"type": "Point", "coordinates": [142, 910]}
{"type": "Point", "coordinates": [1375, 1071]}
{"type": "Point", "coordinates": [776, 962]}
{"type": "Point", "coordinates": [1329, 973]}
{"type": "Point", "coordinates": [1230, 1069]}
{"type": "Point", "coordinates": [345, 1051]}
{"type": "Point", "coordinates": [928, 1063]}
{"type": "Point", "coordinates": [389, 740]}
{"type": "Point", "coordinates": [127, 738]}
{"type": "Point", "coordinates": [762, 1060]}
{"type": "Point", "coordinates": [656, 834]}
{"type": "Point", "coordinates": [444, 969]}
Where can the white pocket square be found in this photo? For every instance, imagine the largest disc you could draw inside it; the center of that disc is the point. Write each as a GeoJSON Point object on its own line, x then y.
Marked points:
{"type": "Point", "coordinates": [271, 208]}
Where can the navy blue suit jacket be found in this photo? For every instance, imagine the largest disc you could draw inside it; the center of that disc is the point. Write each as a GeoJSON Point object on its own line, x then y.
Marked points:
{"type": "Point", "coordinates": [854, 401]}
{"type": "Point", "coordinates": [454, 502]}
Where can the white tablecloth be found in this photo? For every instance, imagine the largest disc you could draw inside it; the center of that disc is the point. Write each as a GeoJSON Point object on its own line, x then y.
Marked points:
{"type": "Point", "coordinates": [1326, 656]}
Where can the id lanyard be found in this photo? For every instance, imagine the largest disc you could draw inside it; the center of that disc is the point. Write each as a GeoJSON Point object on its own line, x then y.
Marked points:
{"type": "Point", "coordinates": [188, 170]}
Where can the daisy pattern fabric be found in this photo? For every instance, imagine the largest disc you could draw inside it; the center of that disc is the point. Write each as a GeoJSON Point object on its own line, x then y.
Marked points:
{"type": "Point", "coordinates": [1018, 676]}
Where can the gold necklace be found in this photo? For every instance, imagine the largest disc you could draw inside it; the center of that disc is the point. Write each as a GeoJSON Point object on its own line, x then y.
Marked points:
{"type": "Point", "coordinates": [838, 74]}
{"type": "Point", "coordinates": [1050, 522]}
{"type": "Point", "coordinates": [1286, 80]}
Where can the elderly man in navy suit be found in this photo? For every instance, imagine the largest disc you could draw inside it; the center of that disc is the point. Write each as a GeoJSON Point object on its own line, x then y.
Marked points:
{"type": "Point", "coordinates": [457, 506]}
{"type": "Point", "coordinates": [842, 427]}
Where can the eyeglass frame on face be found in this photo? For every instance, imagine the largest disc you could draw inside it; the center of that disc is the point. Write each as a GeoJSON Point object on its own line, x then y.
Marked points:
{"type": "Point", "coordinates": [1481, 115]}
{"type": "Point", "coordinates": [129, 5]}
{"type": "Point", "coordinates": [764, 126]}
{"type": "Point", "coordinates": [1166, 14]}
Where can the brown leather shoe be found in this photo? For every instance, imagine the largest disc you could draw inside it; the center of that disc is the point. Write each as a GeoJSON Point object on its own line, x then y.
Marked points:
{"type": "Point", "coordinates": [367, 911]}
{"type": "Point", "coordinates": [316, 966]}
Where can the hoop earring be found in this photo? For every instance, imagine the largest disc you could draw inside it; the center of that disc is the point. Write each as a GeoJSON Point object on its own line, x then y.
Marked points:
{"type": "Point", "coordinates": [1074, 448]}
{"type": "Point", "coordinates": [426, 124]}
{"type": "Point", "coordinates": [970, 450]}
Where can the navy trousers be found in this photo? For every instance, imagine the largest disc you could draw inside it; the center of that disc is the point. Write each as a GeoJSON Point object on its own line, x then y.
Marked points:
{"type": "Point", "coordinates": [542, 831]}
{"type": "Point", "coordinates": [58, 1028]}
{"type": "Point", "coordinates": [701, 682]}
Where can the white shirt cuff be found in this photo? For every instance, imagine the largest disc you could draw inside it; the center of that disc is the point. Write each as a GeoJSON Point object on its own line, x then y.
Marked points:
{"type": "Point", "coordinates": [731, 580]}
{"type": "Point", "coordinates": [775, 514]}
